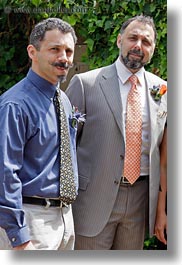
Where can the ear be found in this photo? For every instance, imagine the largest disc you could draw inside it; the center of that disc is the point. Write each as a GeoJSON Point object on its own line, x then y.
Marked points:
{"type": "Point", "coordinates": [119, 40]}
{"type": "Point", "coordinates": [32, 52]}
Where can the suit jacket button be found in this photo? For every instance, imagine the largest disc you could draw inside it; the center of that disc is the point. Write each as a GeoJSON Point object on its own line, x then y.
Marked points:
{"type": "Point", "coordinates": [122, 157]}
{"type": "Point", "coordinates": [116, 182]}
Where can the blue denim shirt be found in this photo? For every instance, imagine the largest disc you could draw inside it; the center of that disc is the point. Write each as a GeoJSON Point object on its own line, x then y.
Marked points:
{"type": "Point", "coordinates": [29, 150]}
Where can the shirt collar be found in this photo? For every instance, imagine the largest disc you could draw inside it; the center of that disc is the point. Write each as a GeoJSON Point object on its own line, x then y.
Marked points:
{"type": "Point", "coordinates": [123, 73]}
{"type": "Point", "coordinates": [42, 84]}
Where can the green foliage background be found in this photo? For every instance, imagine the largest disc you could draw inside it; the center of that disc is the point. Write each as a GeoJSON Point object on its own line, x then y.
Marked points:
{"type": "Point", "coordinates": [96, 23]}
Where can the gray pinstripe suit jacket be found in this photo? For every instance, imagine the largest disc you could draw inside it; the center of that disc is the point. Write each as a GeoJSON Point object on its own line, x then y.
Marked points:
{"type": "Point", "coordinates": [101, 147]}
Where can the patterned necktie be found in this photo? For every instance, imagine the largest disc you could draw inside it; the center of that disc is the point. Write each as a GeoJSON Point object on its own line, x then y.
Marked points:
{"type": "Point", "coordinates": [67, 183]}
{"type": "Point", "coordinates": [133, 133]}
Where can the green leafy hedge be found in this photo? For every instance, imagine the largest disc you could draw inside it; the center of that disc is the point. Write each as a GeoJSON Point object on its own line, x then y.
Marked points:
{"type": "Point", "coordinates": [97, 24]}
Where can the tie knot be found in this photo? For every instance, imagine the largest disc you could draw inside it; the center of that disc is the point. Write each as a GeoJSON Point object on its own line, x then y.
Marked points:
{"type": "Point", "coordinates": [58, 92]}
{"type": "Point", "coordinates": [133, 79]}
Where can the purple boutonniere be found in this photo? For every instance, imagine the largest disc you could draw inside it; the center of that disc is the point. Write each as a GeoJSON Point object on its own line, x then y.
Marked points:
{"type": "Point", "coordinates": [158, 91]}
{"type": "Point", "coordinates": [77, 117]}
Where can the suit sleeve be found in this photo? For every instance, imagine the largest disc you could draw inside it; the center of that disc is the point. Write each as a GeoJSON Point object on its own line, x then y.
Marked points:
{"type": "Point", "coordinates": [76, 95]}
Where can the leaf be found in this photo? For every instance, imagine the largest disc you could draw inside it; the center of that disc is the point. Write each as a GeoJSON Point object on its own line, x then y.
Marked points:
{"type": "Point", "coordinates": [90, 44]}
{"type": "Point", "coordinates": [108, 25]}
{"type": "Point", "coordinates": [71, 20]}
{"type": "Point", "coordinates": [36, 2]}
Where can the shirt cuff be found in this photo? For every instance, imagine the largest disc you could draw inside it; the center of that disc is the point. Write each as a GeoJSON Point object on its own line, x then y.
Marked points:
{"type": "Point", "coordinates": [19, 237]}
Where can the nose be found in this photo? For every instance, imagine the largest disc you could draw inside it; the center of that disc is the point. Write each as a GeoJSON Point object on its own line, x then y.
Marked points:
{"type": "Point", "coordinates": [62, 56]}
{"type": "Point", "coordinates": [138, 44]}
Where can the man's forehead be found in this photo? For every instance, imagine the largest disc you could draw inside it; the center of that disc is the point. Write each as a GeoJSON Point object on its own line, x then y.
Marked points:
{"type": "Point", "coordinates": [54, 32]}
{"type": "Point", "coordinates": [137, 27]}
{"type": "Point", "coordinates": [57, 37]}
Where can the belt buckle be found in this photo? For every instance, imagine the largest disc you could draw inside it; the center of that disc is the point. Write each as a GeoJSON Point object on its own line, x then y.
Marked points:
{"type": "Point", "coordinates": [124, 180]}
{"type": "Point", "coordinates": [48, 203]}
{"type": "Point", "coordinates": [63, 204]}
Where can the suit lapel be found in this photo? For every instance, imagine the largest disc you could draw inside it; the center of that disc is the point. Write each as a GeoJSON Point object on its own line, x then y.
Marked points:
{"type": "Point", "coordinates": [151, 103]}
{"type": "Point", "coordinates": [153, 107]}
{"type": "Point", "coordinates": [110, 88]}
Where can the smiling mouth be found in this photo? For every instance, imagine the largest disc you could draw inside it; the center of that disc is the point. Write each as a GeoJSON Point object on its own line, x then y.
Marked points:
{"type": "Point", "coordinates": [61, 68]}
{"type": "Point", "coordinates": [136, 56]}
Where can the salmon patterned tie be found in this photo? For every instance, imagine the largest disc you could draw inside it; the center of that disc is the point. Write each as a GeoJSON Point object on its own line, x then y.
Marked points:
{"type": "Point", "coordinates": [67, 183]}
{"type": "Point", "coordinates": [133, 133]}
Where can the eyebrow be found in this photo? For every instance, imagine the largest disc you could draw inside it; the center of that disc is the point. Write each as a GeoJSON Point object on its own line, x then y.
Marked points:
{"type": "Point", "coordinates": [148, 38]}
{"type": "Point", "coordinates": [58, 45]}
{"type": "Point", "coordinates": [55, 44]}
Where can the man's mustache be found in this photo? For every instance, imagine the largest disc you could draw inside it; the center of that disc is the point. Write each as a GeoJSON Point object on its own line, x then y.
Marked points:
{"type": "Point", "coordinates": [63, 65]}
{"type": "Point", "coordinates": [136, 52]}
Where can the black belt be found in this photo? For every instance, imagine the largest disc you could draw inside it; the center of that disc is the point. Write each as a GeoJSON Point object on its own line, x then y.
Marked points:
{"type": "Point", "coordinates": [125, 181]}
{"type": "Point", "coordinates": [44, 202]}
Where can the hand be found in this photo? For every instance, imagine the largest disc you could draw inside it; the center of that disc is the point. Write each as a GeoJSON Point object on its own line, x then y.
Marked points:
{"type": "Point", "coordinates": [26, 246]}
{"type": "Point", "coordinates": [161, 227]}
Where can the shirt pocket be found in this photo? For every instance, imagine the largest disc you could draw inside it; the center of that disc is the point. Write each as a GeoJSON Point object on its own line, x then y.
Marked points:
{"type": "Point", "coordinates": [73, 132]}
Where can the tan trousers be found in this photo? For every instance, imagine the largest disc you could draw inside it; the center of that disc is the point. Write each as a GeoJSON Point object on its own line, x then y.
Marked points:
{"type": "Point", "coordinates": [50, 229]}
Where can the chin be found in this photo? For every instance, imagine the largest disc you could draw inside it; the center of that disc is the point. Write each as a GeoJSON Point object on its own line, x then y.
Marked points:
{"type": "Point", "coordinates": [61, 78]}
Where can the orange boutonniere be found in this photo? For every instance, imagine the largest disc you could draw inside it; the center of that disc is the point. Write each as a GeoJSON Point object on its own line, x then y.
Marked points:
{"type": "Point", "coordinates": [158, 91]}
